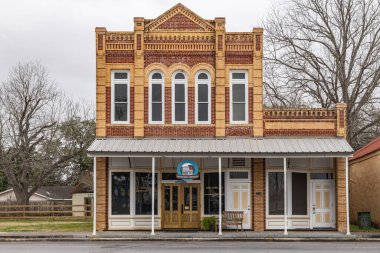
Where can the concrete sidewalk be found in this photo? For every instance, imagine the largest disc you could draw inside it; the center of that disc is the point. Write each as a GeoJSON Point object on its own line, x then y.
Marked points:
{"type": "Point", "coordinates": [189, 236]}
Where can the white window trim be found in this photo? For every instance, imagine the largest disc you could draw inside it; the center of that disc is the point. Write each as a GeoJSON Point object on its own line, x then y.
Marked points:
{"type": "Point", "coordinates": [184, 81]}
{"type": "Point", "coordinates": [113, 82]}
{"type": "Point", "coordinates": [132, 194]}
{"type": "Point", "coordinates": [151, 81]}
{"type": "Point", "coordinates": [208, 82]}
{"type": "Point", "coordinates": [239, 81]}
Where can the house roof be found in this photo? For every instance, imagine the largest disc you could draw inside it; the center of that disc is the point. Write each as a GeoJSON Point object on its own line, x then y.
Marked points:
{"type": "Point", "coordinates": [231, 147]}
{"type": "Point", "coordinates": [55, 192]}
{"type": "Point", "coordinates": [51, 192]}
{"type": "Point", "coordinates": [371, 147]}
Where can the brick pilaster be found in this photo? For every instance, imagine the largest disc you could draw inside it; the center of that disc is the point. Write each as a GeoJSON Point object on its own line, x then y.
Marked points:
{"type": "Point", "coordinates": [258, 82]}
{"type": "Point", "coordinates": [340, 185]}
{"type": "Point", "coordinates": [100, 82]}
{"type": "Point", "coordinates": [101, 194]}
{"type": "Point", "coordinates": [220, 79]}
{"type": "Point", "coordinates": [139, 78]}
{"type": "Point", "coordinates": [258, 195]}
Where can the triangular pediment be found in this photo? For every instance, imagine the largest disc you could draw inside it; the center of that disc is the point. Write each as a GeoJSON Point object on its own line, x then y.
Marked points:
{"type": "Point", "coordinates": [179, 18]}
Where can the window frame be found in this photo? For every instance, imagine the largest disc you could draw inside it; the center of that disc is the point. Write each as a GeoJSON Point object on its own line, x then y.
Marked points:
{"type": "Point", "coordinates": [113, 83]}
{"type": "Point", "coordinates": [239, 81]}
{"type": "Point", "coordinates": [185, 83]}
{"type": "Point", "coordinates": [162, 82]}
{"type": "Point", "coordinates": [202, 81]}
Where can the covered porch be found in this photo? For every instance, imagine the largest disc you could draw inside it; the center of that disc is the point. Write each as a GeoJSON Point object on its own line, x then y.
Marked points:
{"type": "Point", "coordinates": [273, 162]}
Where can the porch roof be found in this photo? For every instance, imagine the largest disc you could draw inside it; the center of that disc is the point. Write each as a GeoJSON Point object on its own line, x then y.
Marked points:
{"type": "Point", "coordinates": [228, 147]}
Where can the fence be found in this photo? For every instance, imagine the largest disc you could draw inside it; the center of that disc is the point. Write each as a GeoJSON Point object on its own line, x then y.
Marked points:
{"type": "Point", "coordinates": [45, 209]}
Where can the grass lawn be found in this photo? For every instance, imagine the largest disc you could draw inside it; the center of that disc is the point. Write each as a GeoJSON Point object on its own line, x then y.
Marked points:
{"type": "Point", "coordinates": [46, 225]}
{"type": "Point", "coordinates": [355, 228]}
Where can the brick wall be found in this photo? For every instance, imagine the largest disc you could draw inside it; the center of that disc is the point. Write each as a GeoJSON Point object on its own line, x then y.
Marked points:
{"type": "Point", "coordinates": [258, 194]}
{"type": "Point", "coordinates": [101, 194]}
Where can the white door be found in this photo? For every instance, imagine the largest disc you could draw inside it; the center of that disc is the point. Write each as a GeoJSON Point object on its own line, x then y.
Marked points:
{"type": "Point", "coordinates": [322, 206]}
{"type": "Point", "coordinates": [240, 200]}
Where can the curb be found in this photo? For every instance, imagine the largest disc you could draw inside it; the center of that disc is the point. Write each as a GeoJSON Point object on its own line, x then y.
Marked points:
{"type": "Point", "coordinates": [252, 239]}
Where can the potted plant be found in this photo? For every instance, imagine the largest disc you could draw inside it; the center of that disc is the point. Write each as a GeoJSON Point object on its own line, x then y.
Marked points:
{"type": "Point", "coordinates": [208, 223]}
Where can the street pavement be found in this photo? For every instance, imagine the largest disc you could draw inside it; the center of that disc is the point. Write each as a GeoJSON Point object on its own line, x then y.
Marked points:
{"type": "Point", "coordinates": [184, 246]}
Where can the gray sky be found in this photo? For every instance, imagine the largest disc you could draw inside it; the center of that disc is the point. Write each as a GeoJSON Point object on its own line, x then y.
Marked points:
{"type": "Point", "coordinates": [60, 34]}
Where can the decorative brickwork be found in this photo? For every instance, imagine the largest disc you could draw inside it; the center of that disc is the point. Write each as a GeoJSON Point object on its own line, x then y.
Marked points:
{"type": "Point", "coordinates": [101, 194]}
{"type": "Point", "coordinates": [239, 38]}
{"type": "Point", "coordinates": [168, 105]}
{"type": "Point", "coordinates": [179, 131]}
{"type": "Point", "coordinates": [220, 42]}
{"type": "Point", "coordinates": [120, 37]}
{"type": "Point", "coordinates": [119, 56]}
{"type": "Point", "coordinates": [258, 194]}
{"type": "Point", "coordinates": [341, 118]}
{"type": "Point", "coordinates": [191, 105]}
{"type": "Point", "coordinates": [299, 132]}
{"type": "Point", "coordinates": [179, 22]}
{"type": "Point", "coordinates": [100, 41]}
{"type": "Point", "coordinates": [299, 114]}
{"type": "Point", "coordinates": [235, 57]}
{"type": "Point", "coordinates": [227, 105]}
{"type": "Point", "coordinates": [258, 43]}
{"type": "Point", "coordinates": [189, 58]}
{"type": "Point", "coordinates": [239, 131]}
{"type": "Point", "coordinates": [138, 41]}
{"type": "Point", "coordinates": [179, 39]}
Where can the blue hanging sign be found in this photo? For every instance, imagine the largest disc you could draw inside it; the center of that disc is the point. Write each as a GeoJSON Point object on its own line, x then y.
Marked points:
{"type": "Point", "coordinates": [187, 170]}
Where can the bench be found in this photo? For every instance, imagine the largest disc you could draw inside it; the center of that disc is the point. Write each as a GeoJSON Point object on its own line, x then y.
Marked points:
{"type": "Point", "coordinates": [233, 218]}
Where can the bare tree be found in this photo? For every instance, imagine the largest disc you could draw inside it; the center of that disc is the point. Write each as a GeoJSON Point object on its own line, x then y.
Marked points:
{"type": "Point", "coordinates": [321, 52]}
{"type": "Point", "coordinates": [32, 111]}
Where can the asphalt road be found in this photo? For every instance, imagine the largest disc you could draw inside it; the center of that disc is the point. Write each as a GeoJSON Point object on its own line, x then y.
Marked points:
{"type": "Point", "coordinates": [186, 246]}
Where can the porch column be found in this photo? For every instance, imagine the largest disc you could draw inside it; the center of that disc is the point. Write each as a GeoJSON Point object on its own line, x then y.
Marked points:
{"type": "Point", "coordinates": [220, 196]}
{"type": "Point", "coordinates": [153, 186]}
{"type": "Point", "coordinates": [347, 201]}
{"type": "Point", "coordinates": [285, 201]}
{"type": "Point", "coordinates": [94, 201]}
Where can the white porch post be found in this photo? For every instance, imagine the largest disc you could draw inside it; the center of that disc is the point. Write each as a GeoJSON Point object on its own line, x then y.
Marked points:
{"type": "Point", "coordinates": [347, 201]}
{"type": "Point", "coordinates": [285, 201]}
{"type": "Point", "coordinates": [153, 186]}
{"type": "Point", "coordinates": [220, 196]}
{"type": "Point", "coordinates": [94, 201]}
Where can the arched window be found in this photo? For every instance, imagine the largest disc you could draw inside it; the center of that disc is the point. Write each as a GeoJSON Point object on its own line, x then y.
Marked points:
{"type": "Point", "coordinates": [179, 98]}
{"type": "Point", "coordinates": [202, 98]}
{"type": "Point", "coordinates": [156, 98]}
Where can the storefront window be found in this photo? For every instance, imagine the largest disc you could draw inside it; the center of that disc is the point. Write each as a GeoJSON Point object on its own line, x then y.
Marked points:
{"type": "Point", "coordinates": [211, 193]}
{"type": "Point", "coordinates": [276, 193]}
{"type": "Point", "coordinates": [120, 193]}
{"type": "Point", "coordinates": [143, 187]}
{"type": "Point", "coordinates": [299, 193]}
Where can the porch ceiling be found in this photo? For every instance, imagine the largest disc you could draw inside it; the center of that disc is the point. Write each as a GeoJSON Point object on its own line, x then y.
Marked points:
{"type": "Point", "coordinates": [229, 147]}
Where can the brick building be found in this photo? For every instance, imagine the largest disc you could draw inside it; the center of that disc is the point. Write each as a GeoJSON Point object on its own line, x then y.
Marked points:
{"type": "Point", "coordinates": [180, 106]}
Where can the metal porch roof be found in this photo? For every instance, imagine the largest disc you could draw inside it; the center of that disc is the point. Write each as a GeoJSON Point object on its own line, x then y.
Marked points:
{"type": "Point", "coordinates": [229, 147]}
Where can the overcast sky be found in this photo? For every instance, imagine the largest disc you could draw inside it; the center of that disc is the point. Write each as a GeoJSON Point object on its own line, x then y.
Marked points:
{"type": "Point", "coordinates": [60, 34]}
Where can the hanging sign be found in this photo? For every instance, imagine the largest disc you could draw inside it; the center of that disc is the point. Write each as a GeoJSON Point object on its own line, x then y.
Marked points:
{"type": "Point", "coordinates": [187, 170]}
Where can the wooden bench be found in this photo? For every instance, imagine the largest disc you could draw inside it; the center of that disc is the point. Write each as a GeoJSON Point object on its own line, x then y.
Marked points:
{"type": "Point", "coordinates": [233, 218]}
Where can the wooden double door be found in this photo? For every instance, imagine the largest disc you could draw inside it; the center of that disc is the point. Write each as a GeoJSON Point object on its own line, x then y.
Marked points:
{"type": "Point", "coordinates": [180, 205]}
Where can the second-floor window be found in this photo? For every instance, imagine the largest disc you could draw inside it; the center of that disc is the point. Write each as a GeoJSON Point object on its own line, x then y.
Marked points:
{"type": "Point", "coordinates": [120, 96]}
{"type": "Point", "coordinates": [238, 97]}
{"type": "Point", "coordinates": [202, 98]}
{"type": "Point", "coordinates": [156, 98]}
{"type": "Point", "coordinates": [179, 98]}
